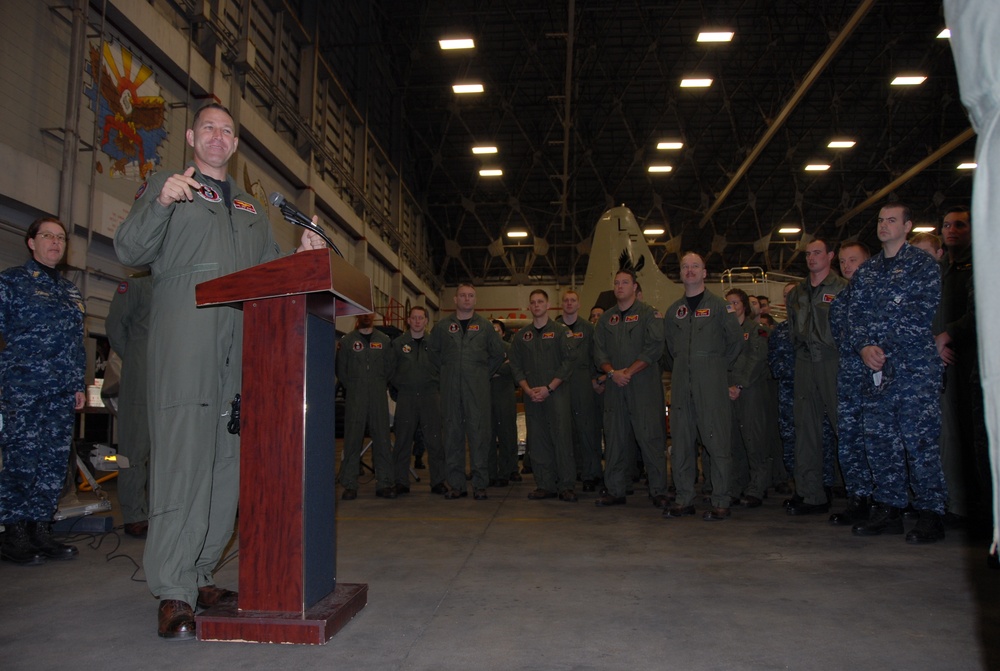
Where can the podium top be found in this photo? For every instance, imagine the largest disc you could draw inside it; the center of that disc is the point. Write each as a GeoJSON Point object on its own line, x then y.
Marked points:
{"type": "Point", "coordinates": [312, 272]}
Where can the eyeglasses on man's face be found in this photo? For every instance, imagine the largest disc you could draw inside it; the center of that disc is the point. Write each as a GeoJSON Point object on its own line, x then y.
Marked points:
{"type": "Point", "coordinates": [49, 237]}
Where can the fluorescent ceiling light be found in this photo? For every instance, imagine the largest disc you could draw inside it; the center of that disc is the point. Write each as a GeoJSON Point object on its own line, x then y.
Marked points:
{"type": "Point", "coordinates": [654, 231]}
{"type": "Point", "coordinates": [908, 80]}
{"type": "Point", "coordinates": [484, 150]}
{"type": "Point", "coordinates": [715, 36]}
{"type": "Point", "coordinates": [467, 88]}
{"type": "Point", "coordinates": [669, 145]}
{"type": "Point", "coordinates": [517, 233]}
{"type": "Point", "coordinates": [817, 167]}
{"type": "Point", "coordinates": [968, 166]}
{"type": "Point", "coordinates": [923, 229]}
{"type": "Point", "coordinates": [490, 172]}
{"type": "Point", "coordinates": [789, 230]}
{"type": "Point", "coordinates": [457, 43]}
{"type": "Point", "coordinates": [944, 34]}
{"type": "Point", "coordinates": [841, 144]}
{"type": "Point", "coordinates": [660, 168]}
{"type": "Point", "coordinates": [694, 83]}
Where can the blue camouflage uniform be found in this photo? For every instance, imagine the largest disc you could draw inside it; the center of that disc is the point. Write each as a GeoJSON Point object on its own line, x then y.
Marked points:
{"type": "Point", "coordinates": [852, 377]}
{"type": "Point", "coordinates": [41, 369]}
{"type": "Point", "coordinates": [781, 359]}
{"type": "Point", "coordinates": [895, 302]}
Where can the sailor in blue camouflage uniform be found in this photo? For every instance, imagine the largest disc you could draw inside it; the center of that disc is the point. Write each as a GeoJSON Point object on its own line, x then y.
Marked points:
{"type": "Point", "coordinates": [41, 384]}
{"type": "Point", "coordinates": [896, 294]}
{"type": "Point", "coordinates": [781, 360]}
{"type": "Point", "coordinates": [851, 379]}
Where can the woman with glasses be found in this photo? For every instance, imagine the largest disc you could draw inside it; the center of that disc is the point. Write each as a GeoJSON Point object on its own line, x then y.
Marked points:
{"type": "Point", "coordinates": [41, 385]}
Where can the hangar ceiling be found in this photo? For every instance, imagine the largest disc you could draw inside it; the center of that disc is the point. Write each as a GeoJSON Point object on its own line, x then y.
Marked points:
{"type": "Point", "coordinates": [577, 94]}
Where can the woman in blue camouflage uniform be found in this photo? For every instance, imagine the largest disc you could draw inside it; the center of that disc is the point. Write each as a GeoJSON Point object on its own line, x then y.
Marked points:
{"type": "Point", "coordinates": [41, 384]}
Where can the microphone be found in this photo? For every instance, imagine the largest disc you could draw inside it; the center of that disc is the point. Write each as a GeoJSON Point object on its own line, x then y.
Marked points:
{"type": "Point", "coordinates": [294, 215]}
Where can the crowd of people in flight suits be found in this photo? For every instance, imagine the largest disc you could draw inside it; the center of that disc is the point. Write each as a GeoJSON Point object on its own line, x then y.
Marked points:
{"type": "Point", "coordinates": [867, 391]}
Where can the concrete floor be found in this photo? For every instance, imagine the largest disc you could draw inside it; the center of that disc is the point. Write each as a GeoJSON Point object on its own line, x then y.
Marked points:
{"type": "Point", "coordinates": [510, 583]}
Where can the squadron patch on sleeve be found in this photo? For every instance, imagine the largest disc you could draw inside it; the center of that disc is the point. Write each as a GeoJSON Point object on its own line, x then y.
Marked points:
{"type": "Point", "coordinates": [142, 190]}
{"type": "Point", "coordinates": [123, 287]}
{"type": "Point", "coordinates": [729, 308]}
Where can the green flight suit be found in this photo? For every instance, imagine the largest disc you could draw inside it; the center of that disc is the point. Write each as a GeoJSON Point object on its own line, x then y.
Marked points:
{"type": "Point", "coordinates": [418, 404]}
{"type": "Point", "coordinates": [538, 356]}
{"type": "Point", "coordinates": [816, 362]}
{"type": "Point", "coordinates": [127, 326]}
{"type": "Point", "coordinates": [503, 418]}
{"type": "Point", "coordinates": [750, 447]}
{"type": "Point", "coordinates": [364, 366]}
{"type": "Point", "coordinates": [583, 401]}
{"type": "Point", "coordinates": [635, 412]}
{"type": "Point", "coordinates": [702, 343]}
{"type": "Point", "coordinates": [194, 365]}
{"type": "Point", "coordinates": [467, 358]}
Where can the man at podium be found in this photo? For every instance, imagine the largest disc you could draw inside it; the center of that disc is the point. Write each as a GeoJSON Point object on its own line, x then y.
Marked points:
{"type": "Point", "coordinates": [190, 227]}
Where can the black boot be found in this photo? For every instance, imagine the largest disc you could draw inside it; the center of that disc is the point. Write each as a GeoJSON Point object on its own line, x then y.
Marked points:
{"type": "Point", "coordinates": [17, 548]}
{"type": "Point", "coordinates": [857, 511]}
{"type": "Point", "coordinates": [929, 529]}
{"type": "Point", "coordinates": [43, 542]}
{"type": "Point", "coordinates": [883, 519]}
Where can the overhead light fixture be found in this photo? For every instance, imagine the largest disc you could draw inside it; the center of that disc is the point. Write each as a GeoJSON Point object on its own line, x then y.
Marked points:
{"type": "Point", "coordinates": [944, 34]}
{"type": "Point", "coordinates": [696, 82]}
{"type": "Point", "coordinates": [908, 80]}
{"type": "Point", "coordinates": [968, 166]}
{"type": "Point", "coordinates": [817, 167]}
{"type": "Point", "coordinates": [457, 43]}
{"type": "Point", "coordinates": [789, 230]}
{"type": "Point", "coordinates": [517, 233]}
{"type": "Point", "coordinates": [841, 144]}
{"type": "Point", "coordinates": [484, 150]}
{"type": "Point", "coordinates": [715, 36]}
{"type": "Point", "coordinates": [490, 172]}
{"type": "Point", "coordinates": [654, 231]}
{"type": "Point", "coordinates": [467, 88]}
{"type": "Point", "coordinates": [671, 144]}
{"type": "Point", "coordinates": [923, 229]}
{"type": "Point", "coordinates": [660, 168]}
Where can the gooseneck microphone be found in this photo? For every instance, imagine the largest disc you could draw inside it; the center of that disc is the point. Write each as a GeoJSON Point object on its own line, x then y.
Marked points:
{"type": "Point", "coordinates": [294, 215]}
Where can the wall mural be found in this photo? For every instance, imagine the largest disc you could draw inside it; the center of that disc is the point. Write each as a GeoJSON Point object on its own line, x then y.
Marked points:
{"type": "Point", "coordinates": [129, 111]}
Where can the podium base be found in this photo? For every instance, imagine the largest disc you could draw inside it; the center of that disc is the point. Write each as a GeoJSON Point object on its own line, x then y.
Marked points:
{"type": "Point", "coordinates": [314, 627]}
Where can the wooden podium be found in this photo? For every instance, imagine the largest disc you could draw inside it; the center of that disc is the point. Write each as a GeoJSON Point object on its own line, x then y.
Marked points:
{"type": "Point", "coordinates": [288, 591]}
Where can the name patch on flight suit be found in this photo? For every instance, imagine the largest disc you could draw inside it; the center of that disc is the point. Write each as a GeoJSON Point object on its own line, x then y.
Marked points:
{"type": "Point", "coordinates": [528, 336]}
{"type": "Point", "coordinates": [705, 312]}
{"type": "Point", "coordinates": [631, 318]}
{"type": "Point", "coordinates": [357, 346]}
{"type": "Point", "coordinates": [407, 349]}
{"type": "Point", "coordinates": [142, 190]}
{"type": "Point", "coordinates": [682, 312]}
{"type": "Point", "coordinates": [209, 194]}
{"type": "Point", "coordinates": [576, 335]}
{"type": "Point", "coordinates": [375, 345]}
{"type": "Point", "coordinates": [473, 327]}
{"type": "Point", "coordinates": [453, 328]}
{"type": "Point", "coordinates": [123, 287]}
{"type": "Point", "coordinates": [245, 206]}
{"type": "Point", "coordinates": [613, 321]}
{"type": "Point", "coordinates": [548, 336]}
{"type": "Point", "coordinates": [828, 298]}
